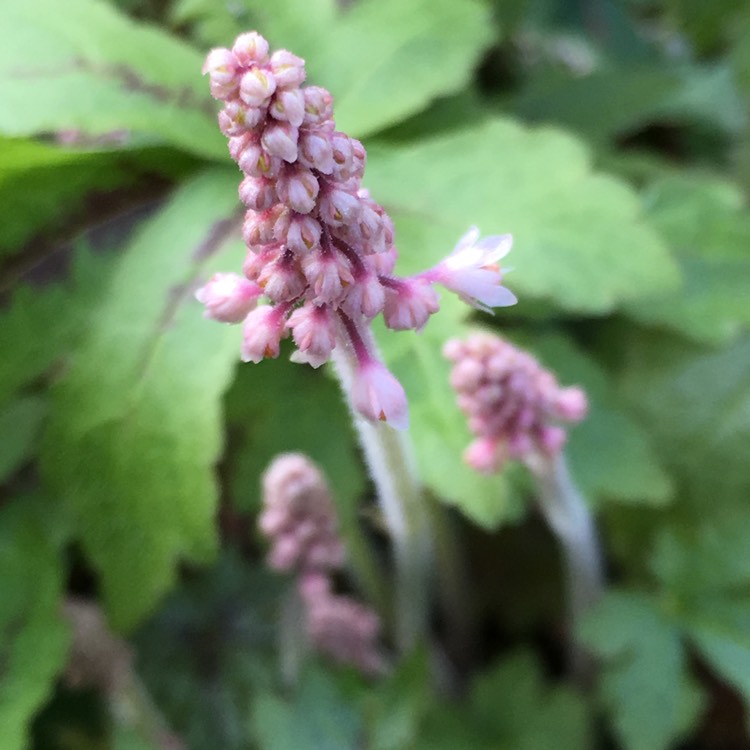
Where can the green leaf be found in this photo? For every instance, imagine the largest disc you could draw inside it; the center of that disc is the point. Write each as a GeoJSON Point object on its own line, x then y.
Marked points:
{"type": "Point", "coordinates": [33, 637]}
{"type": "Point", "coordinates": [644, 683]}
{"type": "Point", "coordinates": [278, 406]}
{"type": "Point", "coordinates": [135, 427]}
{"type": "Point", "coordinates": [398, 705]}
{"type": "Point", "coordinates": [722, 635]}
{"type": "Point", "coordinates": [698, 557]}
{"type": "Point", "coordinates": [320, 716]}
{"type": "Point", "coordinates": [92, 69]}
{"type": "Point", "coordinates": [41, 325]}
{"type": "Point", "coordinates": [706, 223]}
{"type": "Point", "coordinates": [54, 182]}
{"type": "Point", "coordinates": [580, 241]}
{"type": "Point", "coordinates": [438, 429]}
{"type": "Point", "coordinates": [20, 423]}
{"type": "Point", "coordinates": [382, 60]}
{"type": "Point", "coordinates": [696, 405]}
{"type": "Point", "coordinates": [512, 703]}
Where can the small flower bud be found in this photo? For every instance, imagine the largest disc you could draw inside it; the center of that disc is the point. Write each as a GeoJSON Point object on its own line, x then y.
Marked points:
{"type": "Point", "coordinates": [377, 395]}
{"type": "Point", "coordinates": [256, 87]}
{"type": "Point", "coordinates": [303, 234]}
{"type": "Point", "coordinates": [410, 305]}
{"type": "Point", "coordinates": [318, 105]}
{"type": "Point", "coordinates": [282, 280]}
{"type": "Point", "coordinates": [314, 332]}
{"type": "Point", "coordinates": [298, 188]}
{"type": "Point", "coordinates": [258, 193]}
{"type": "Point", "coordinates": [228, 297]}
{"type": "Point", "coordinates": [339, 207]}
{"type": "Point", "coordinates": [221, 67]}
{"type": "Point", "coordinates": [250, 48]}
{"type": "Point", "coordinates": [236, 119]}
{"type": "Point", "coordinates": [256, 162]}
{"type": "Point", "coordinates": [327, 272]}
{"type": "Point", "coordinates": [280, 139]}
{"type": "Point", "coordinates": [261, 333]}
{"type": "Point", "coordinates": [315, 151]}
{"type": "Point", "coordinates": [288, 69]}
{"type": "Point", "coordinates": [288, 105]}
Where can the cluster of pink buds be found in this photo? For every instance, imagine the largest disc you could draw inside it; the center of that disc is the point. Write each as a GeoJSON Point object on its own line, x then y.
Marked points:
{"type": "Point", "coordinates": [514, 406]}
{"type": "Point", "coordinates": [340, 627]}
{"type": "Point", "coordinates": [320, 250]}
{"type": "Point", "coordinates": [299, 519]}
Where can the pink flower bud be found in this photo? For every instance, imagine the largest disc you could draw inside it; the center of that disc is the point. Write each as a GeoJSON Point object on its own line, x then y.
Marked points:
{"type": "Point", "coordinates": [339, 207]}
{"type": "Point", "coordinates": [298, 188]}
{"type": "Point", "coordinates": [262, 332]}
{"type": "Point", "coordinates": [303, 234]}
{"type": "Point", "coordinates": [378, 396]}
{"type": "Point", "coordinates": [255, 161]}
{"type": "Point", "coordinates": [238, 143]}
{"type": "Point", "coordinates": [236, 119]}
{"type": "Point", "coordinates": [288, 105]}
{"type": "Point", "coordinates": [410, 305]}
{"type": "Point", "coordinates": [571, 404]}
{"type": "Point", "coordinates": [327, 272]}
{"type": "Point", "coordinates": [221, 67]}
{"type": "Point", "coordinates": [318, 105]}
{"type": "Point", "coordinates": [280, 139]}
{"type": "Point", "coordinates": [250, 48]}
{"type": "Point", "coordinates": [282, 280]}
{"type": "Point", "coordinates": [256, 87]}
{"type": "Point", "coordinates": [288, 69]}
{"type": "Point", "coordinates": [342, 155]}
{"type": "Point", "coordinates": [365, 296]}
{"type": "Point", "coordinates": [485, 456]}
{"type": "Point", "coordinates": [228, 297]}
{"type": "Point", "coordinates": [315, 151]}
{"type": "Point", "coordinates": [383, 263]}
{"type": "Point", "coordinates": [257, 260]}
{"type": "Point", "coordinates": [314, 331]}
{"type": "Point", "coordinates": [258, 193]}
{"type": "Point", "coordinates": [258, 227]}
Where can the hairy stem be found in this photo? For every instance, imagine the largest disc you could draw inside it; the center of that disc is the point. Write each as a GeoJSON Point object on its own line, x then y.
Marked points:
{"type": "Point", "coordinates": [402, 503]}
{"type": "Point", "coordinates": [567, 514]}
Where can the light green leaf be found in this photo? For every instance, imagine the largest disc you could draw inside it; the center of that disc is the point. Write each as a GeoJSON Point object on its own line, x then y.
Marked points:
{"type": "Point", "coordinates": [319, 717]}
{"type": "Point", "coordinates": [644, 683]}
{"type": "Point", "coordinates": [706, 223]}
{"type": "Point", "coordinates": [382, 60]}
{"type": "Point", "coordinates": [20, 423]}
{"type": "Point", "coordinates": [135, 427]}
{"type": "Point", "coordinates": [580, 241]}
{"type": "Point", "coordinates": [33, 637]}
{"type": "Point", "coordinates": [696, 405]}
{"type": "Point", "coordinates": [94, 70]}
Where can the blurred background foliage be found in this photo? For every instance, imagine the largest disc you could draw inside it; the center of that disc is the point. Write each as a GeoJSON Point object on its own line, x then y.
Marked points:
{"type": "Point", "coordinates": [609, 136]}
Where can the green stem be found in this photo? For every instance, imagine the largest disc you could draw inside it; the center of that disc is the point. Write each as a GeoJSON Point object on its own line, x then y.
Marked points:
{"type": "Point", "coordinates": [388, 455]}
{"type": "Point", "coordinates": [567, 514]}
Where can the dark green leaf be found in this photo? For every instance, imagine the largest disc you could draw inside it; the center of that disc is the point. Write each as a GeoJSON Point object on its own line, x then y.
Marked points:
{"type": "Point", "coordinates": [33, 637]}
{"type": "Point", "coordinates": [20, 423]}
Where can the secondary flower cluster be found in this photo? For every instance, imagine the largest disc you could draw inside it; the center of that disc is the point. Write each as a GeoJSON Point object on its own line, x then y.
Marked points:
{"type": "Point", "coordinates": [514, 406]}
{"type": "Point", "coordinates": [300, 521]}
{"type": "Point", "coordinates": [319, 248]}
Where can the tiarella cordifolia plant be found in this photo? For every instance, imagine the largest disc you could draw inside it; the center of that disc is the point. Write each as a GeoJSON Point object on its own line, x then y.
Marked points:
{"type": "Point", "coordinates": [514, 406]}
{"type": "Point", "coordinates": [320, 249]}
{"type": "Point", "coordinates": [299, 519]}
